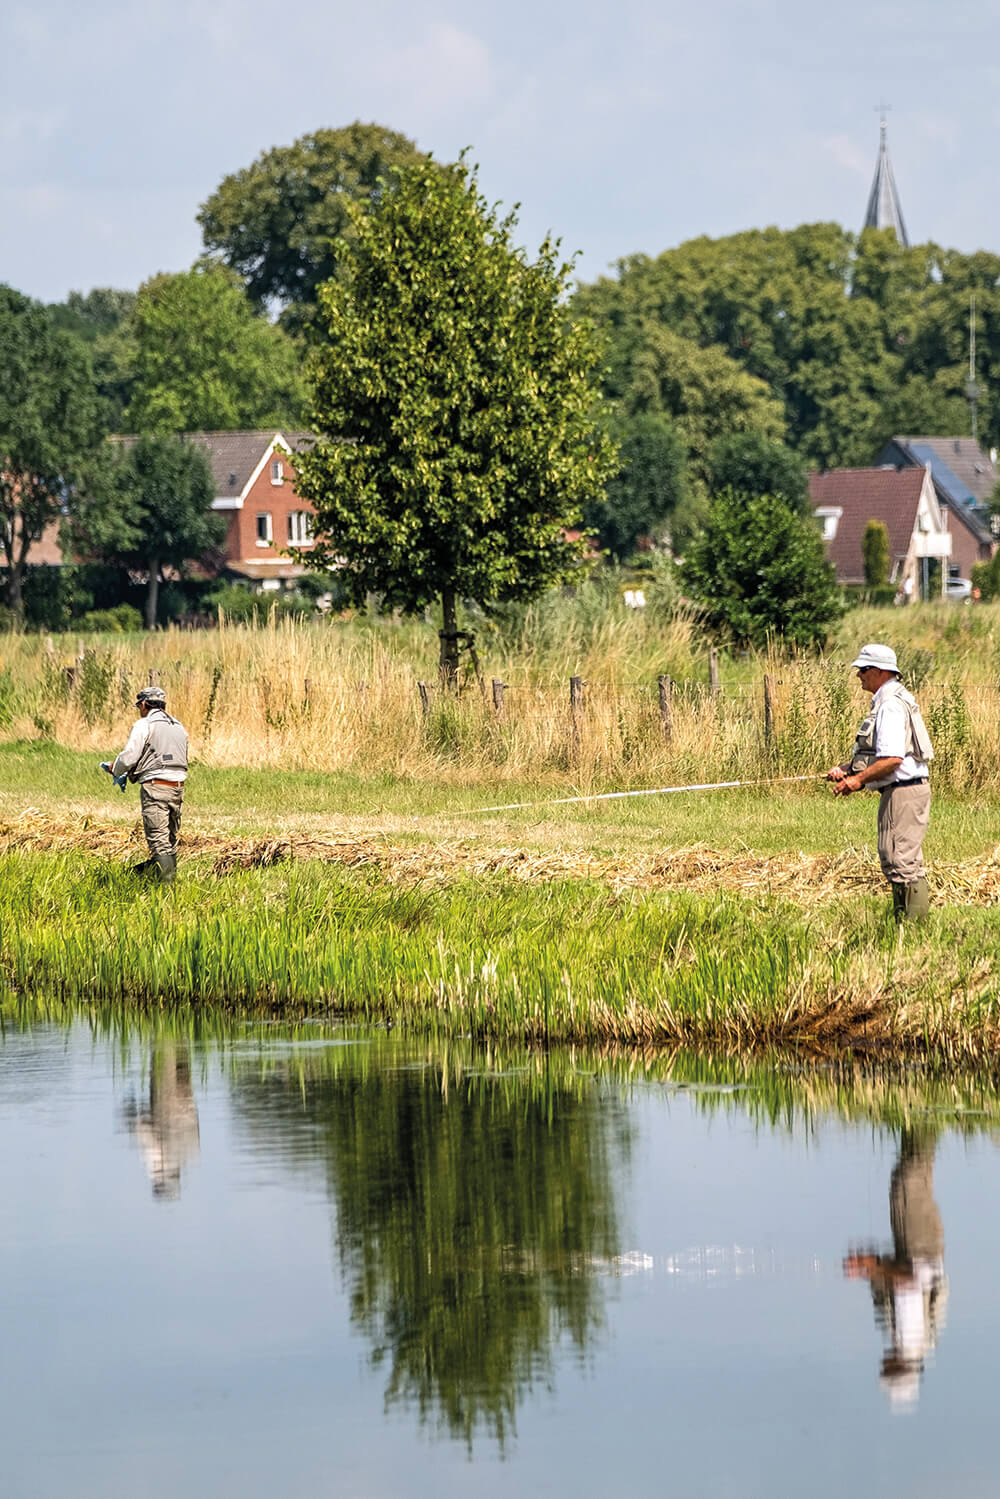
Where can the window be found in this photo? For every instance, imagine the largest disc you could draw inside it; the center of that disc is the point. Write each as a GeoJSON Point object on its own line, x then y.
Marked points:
{"type": "Point", "coordinates": [829, 518]}
{"type": "Point", "coordinates": [270, 585]}
{"type": "Point", "coordinates": [300, 527]}
{"type": "Point", "coordinates": [264, 528]}
{"type": "Point", "coordinates": [277, 471]}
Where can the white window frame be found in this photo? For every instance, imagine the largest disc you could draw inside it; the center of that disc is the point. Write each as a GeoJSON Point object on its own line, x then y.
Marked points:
{"type": "Point", "coordinates": [267, 539]}
{"type": "Point", "coordinates": [300, 532]}
{"type": "Point", "coordinates": [277, 471]}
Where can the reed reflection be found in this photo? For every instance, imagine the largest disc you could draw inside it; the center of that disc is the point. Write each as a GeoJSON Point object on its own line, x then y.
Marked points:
{"type": "Point", "coordinates": [166, 1128]}
{"type": "Point", "coordinates": [908, 1285]}
{"type": "Point", "coordinates": [475, 1220]}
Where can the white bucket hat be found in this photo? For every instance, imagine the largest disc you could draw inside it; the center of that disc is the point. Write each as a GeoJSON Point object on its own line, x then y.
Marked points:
{"type": "Point", "coordinates": [882, 656]}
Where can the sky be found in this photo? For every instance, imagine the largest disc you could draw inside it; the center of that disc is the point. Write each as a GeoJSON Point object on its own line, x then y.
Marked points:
{"type": "Point", "coordinates": [622, 127]}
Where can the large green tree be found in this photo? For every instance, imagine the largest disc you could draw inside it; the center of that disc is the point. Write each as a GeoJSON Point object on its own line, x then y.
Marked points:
{"type": "Point", "coordinates": [102, 318]}
{"type": "Point", "coordinates": [278, 223]}
{"type": "Point", "coordinates": [48, 424]}
{"type": "Point", "coordinates": [648, 495]}
{"type": "Point", "coordinates": [458, 434]}
{"type": "Point", "coordinates": [759, 572]}
{"type": "Point", "coordinates": [146, 506]}
{"type": "Point", "coordinates": [204, 360]}
{"type": "Point", "coordinates": [750, 464]}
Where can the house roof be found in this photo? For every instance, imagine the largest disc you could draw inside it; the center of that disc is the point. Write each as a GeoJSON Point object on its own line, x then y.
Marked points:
{"type": "Point", "coordinates": [234, 456]}
{"type": "Point", "coordinates": [959, 465]}
{"type": "Point", "coordinates": [884, 210]}
{"type": "Point", "coordinates": [890, 495]}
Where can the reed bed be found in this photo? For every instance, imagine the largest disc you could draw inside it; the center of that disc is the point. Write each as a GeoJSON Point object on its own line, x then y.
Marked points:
{"type": "Point", "coordinates": [342, 695]}
{"type": "Point", "coordinates": [568, 960]}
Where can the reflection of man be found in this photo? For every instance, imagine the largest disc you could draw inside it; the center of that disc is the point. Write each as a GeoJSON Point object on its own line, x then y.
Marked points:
{"type": "Point", "coordinates": [909, 1287]}
{"type": "Point", "coordinates": [167, 1131]}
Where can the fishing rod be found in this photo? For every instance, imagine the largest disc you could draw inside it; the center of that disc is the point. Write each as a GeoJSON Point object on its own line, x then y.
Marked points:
{"type": "Point", "coordinates": [607, 796]}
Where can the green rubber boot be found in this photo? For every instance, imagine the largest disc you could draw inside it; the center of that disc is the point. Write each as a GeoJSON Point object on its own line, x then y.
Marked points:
{"type": "Point", "coordinates": [918, 901]}
{"type": "Point", "coordinates": [168, 868]}
{"type": "Point", "coordinates": [898, 902]}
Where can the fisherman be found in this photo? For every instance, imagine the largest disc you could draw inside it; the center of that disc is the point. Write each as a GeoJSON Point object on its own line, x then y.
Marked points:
{"type": "Point", "coordinates": [891, 755]}
{"type": "Point", "coordinates": [156, 756]}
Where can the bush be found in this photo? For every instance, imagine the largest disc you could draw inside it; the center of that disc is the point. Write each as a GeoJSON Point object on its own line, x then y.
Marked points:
{"type": "Point", "coordinates": [123, 619]}
{"type": "Point", "coordinates": [241, 605]}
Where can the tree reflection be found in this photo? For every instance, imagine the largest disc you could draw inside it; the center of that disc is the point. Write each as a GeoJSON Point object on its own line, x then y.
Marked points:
{"type": "Point", "coordinates": [909, 1287]}
{"type": "Point", "coordinates": [474, 1216]}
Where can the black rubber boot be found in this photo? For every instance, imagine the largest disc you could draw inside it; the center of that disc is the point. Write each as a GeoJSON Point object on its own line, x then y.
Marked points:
{"type": "Point", "coordinates": [918, 901]}
{"type": "Point", "coordinates": [146, 868]}
{"type": "Point", "coordinates": [168, 868]}
{"type": "Point", "coordinates": [898, 902]}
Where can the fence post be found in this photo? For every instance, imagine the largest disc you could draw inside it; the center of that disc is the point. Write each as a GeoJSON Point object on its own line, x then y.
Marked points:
{"type": "Point", "coordinates": [666, 707]}
{"type": "Point", "coordinates": [768, 709]}
{"type": "Point", "coordinates": [154, 678]}
{"type": "Point", "coordinates": [713, 671]}
{"type": "Point", "coordinates": [498, 688]}
{"type": "Point", "coordinates": [576, 710]}
{"type": "Point", "coordinates": [424, 700]}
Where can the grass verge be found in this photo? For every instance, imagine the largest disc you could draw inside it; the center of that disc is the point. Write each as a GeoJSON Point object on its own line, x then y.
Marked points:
{"type": "Point", "coordinates": [567, 960]}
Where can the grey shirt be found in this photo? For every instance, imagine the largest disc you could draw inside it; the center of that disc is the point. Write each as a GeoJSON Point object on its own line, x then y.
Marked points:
{"type": "Point", "coordinates": [157, 749]}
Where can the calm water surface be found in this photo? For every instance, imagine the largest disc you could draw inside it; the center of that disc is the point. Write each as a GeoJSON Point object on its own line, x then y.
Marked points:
{"type": "Point", "coordinates": [337, 1264]}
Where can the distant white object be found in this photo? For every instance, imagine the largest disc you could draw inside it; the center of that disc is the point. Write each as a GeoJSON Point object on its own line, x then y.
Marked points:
{"type": "Point", "coordinates": [958, 588]}
{"type": "Point", "coordinates": [635, 598]}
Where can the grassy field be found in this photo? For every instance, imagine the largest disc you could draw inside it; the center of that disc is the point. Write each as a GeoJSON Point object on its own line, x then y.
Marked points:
{"type": "Point", "coordinates": [335, 859]}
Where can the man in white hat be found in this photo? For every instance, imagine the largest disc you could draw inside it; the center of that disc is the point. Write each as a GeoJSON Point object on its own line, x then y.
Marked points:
{"type": "Point", "coordinates": [156, 756]}
{"type": "Point", "coordinates": [891, 756]}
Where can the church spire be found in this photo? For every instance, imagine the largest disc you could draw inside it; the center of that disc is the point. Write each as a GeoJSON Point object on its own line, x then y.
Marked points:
{"type": "Point", "coordinates": [883, 211]}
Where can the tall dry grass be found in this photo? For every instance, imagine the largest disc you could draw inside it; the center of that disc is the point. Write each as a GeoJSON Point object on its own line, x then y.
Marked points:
{"type": "Point", "coordinates": [343, 696]}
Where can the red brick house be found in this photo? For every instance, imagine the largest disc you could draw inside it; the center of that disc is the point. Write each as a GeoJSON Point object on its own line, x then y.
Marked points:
{"type": "Point", "coordinates": [254, 479]}
{"type": "Point", "coordinates": [845, 500]}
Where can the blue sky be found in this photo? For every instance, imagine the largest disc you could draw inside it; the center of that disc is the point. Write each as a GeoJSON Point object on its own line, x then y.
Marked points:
{"type": "Point", "coordinates": [621, 127]}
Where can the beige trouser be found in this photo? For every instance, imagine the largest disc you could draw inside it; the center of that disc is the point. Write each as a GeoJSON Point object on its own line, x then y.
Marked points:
{"type": "Point", "coordinates": [161, 818]}
{"type": "Point", "coordinates": [903, 814]}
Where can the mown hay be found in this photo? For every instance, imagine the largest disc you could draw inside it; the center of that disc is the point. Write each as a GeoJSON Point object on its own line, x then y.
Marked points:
{"type": "Point", "coordinates": [805, 879]}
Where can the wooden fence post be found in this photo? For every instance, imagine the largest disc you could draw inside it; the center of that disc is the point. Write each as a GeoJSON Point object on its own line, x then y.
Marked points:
{"type": "Point", "coordinates": [424, 699]}
{"type": "Point", "coordinates": [576, 710]}
{"type": "Point", "coordinates": [768, 709]}
{"type": "Point", "coordinates": [713, 671]}
{"type": "Point", "coordinates": [498, 688]}
{"type": "Point", "coordinates": [154, 678]}
{"type": "Point", "coordinates": [666, 688]}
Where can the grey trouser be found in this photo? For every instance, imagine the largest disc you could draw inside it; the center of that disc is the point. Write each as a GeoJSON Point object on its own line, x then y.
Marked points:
{"type": "Point", "coordinates": [161, 817]}
{"type": "Point", "coordinates": [903, 814]}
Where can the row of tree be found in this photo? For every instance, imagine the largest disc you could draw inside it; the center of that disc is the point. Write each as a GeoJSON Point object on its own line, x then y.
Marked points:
{"type": "Point", "coordinates": [486, 410]}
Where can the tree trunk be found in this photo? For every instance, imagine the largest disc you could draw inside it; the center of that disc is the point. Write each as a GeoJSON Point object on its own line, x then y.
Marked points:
{"type": "Point", "coordinates": [15, 591]}
{"type": "Point", "coordinates": [448, 636]}
{"type": "Point", "coordinates": [153, 593]}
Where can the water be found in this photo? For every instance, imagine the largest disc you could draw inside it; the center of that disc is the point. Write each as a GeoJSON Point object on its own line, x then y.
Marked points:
{"type": "Point", "coordinates": [339, 1264]}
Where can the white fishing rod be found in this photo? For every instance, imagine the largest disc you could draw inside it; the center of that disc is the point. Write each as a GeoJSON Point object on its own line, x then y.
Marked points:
{"type": "Point", "coordinates": [608, 796]}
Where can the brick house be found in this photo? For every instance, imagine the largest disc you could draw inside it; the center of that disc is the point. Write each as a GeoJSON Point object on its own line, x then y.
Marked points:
{"type": "Point", "coordinates": [905, 500]}
{"type": "Point", "coordinates": [254, 480]}
{"type": "Point", "coordinates": [964, 480]}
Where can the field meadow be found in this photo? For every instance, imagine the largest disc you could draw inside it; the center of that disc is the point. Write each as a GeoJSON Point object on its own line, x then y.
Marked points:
{"type": "Point", "coordinates": [335, 859]}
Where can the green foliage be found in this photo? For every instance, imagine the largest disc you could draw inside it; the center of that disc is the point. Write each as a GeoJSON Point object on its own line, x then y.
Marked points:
{"type": "Point", "coordinates": [279, 224]}
{"type": "Point", "coordinates": [48, 423]}
{"type": "Point", "coordinates": [123, 619]}
{"type": "Point", "coordinates": [147, 505]}
{"type": "Point", "coordinates": [758, 571]}
{"type": "Point", "coordinates": [986, 577]}
{"type": "Point", "coordinates": [858, 337]}
{"type": "Point", "coordinates": [750, 464]}
{"type": "Point", "coordinates": [458, 435]}
{"type": "Point", "coordinates": [649, 490]}
{"type": "Point", "coordinates": [204, 360]}
{"type": "Point", "coordinates": [243, 606]}
{"type": "Point", "coordinates": [875, 553]}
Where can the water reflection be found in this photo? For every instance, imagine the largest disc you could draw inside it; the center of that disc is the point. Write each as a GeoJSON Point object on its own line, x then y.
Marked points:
{"type": "Point", "coordinates": [475, 1217]}
{"type": "Point", "coordinates": [166, 1128]}
{"type": "Point", "coordinates": [908, 1284]}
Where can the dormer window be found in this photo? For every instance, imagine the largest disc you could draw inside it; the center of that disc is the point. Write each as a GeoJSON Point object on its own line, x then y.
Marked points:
{"type": "Point", "coordinates": [277, 471]}
{"type": "Point", "coordinates": [829, 519]}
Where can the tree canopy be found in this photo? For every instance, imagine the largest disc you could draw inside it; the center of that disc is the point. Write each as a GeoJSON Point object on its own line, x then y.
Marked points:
{"type": "Point", "coordinates": [856, 337]}
{"type": "Point", "coordinates": [458, 435]}
{"type": "Point", "coordinates": [648, 495]}
{"type": "Point", "coordinates": [750, 464]}
{"type": "Point", "coordinates": [204, 360]}
{"type": "Point", "coordinates": [48, 424]}
{"type": "Point", "coordinates": [279, 223]}
{"type": "Point", "coordinates": [758, 570]}
{"type": "Point", "coordinates": [147, 505]}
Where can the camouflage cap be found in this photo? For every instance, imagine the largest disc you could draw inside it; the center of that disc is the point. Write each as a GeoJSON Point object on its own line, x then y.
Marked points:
{"type": "Point", "coordinates": [152, 697]}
